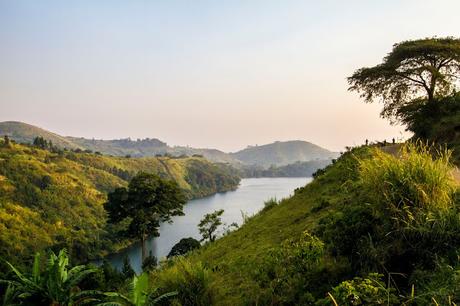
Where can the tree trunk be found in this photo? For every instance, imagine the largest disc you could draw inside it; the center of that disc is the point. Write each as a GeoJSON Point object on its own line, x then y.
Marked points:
{"type": "Point", "coordinates": [144, 248]}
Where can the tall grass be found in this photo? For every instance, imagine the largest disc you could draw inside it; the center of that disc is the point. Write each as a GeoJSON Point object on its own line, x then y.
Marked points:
{"type": "Point", "coordinates": [412, 185]}
{"type": "Point", "coordinates": [192, 282]}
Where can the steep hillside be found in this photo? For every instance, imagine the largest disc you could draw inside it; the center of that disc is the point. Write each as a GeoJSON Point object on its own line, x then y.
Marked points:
{"type": "Point", "coordinates": [273, 259]}
{"type": "Point", "coordinates": [26, 133]}
{"type": "Point", "coordinates": [55, 199]}
{"type": "Point", "coordinates": [282, 153]}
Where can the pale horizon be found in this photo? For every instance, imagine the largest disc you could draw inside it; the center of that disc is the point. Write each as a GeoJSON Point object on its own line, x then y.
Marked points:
{"type": "Point", "coordinates": [207, 74]}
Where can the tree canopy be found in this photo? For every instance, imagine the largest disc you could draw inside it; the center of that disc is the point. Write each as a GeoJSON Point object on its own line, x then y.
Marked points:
{"type": "Point", "coordinates": [146, 202]}
{"type": "Point", "coordinates": [415, 70]}
{"type": "Point", "coordinates": [209, 225]}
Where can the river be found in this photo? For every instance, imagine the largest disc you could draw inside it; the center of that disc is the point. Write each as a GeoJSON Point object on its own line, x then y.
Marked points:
{"type": "Point", "coordinates": [249, 198]}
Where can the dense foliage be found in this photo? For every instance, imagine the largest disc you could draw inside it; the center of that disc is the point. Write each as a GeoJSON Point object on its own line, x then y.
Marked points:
{"type": "Point", "coordinates": [54, 199]}
{"type": "Point", "coordinates": [184, 246]}
{"type": "Point", "coordinates": [143, 205]}
{"type": "Point", "coordinates": [383, 227]}
{"type": "Point", "coordinates": [209, 225]}
{"type": "Point", "coordinates": [415, 70]}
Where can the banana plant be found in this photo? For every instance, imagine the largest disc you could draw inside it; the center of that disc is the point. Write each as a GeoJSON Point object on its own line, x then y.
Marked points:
{"type": "Point", "coordinates": [56, 285]}
{"type": "Point", "coordinates": [137, 296]}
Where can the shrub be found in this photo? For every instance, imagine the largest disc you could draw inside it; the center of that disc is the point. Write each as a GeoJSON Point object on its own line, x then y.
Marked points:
{"type": "Point", "coordinates": [269, 204]}
{"type": "Point", "coordinates": [287, 272]}
{"type": "Point", "coordinates": [184, 246]}
{"type": "Point", "coordinates": [192, 282]}
{"type": "Point", "coordinates": [362, 291]}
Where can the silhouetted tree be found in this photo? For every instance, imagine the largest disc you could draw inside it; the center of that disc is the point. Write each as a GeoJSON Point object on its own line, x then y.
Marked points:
{"type": "Point", "coordinates": [425, 69]}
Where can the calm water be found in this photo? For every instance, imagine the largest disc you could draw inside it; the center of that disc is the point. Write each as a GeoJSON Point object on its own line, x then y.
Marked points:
{"type": "Point", "coordinates": [248, 198]}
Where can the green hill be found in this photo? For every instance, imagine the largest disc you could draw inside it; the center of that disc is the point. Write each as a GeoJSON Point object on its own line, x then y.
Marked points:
{"type": "Point", "coordinates": [282, 153]}
{"type": "Point", "coordinates": [267, 262]}
{"type": "Point", "coordinates": [55, 198]}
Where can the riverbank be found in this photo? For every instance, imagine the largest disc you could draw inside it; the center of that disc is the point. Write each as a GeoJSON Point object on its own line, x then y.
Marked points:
{"type": "Point", "coordinates": [248, 199]}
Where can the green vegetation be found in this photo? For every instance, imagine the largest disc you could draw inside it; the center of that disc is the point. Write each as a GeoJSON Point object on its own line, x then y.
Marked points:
{"type": "Point", "coordinates": [148, 201]}
{"type": "Point", "coordinates": [356, 230]}
{"type": "Point", "coordinates": [209, 224]}
{"type": "Point", "coordinates": [53, 286]}
{"type": "Point", "coordinates": [193, 282]}
{"type": "Point", "coordinates": [378, 226]}
{"type": "Point", "coordinates": [54, 199]}
{"type": "Point", "coordinates": [60, 284]}
{"type": "Point", "coordinates": [415, 70]}
{"type": "Point", "coordinates": [184, 246]}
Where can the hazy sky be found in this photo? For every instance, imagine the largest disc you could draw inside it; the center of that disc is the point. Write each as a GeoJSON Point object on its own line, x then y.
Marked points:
{"type": "Point", "coordinates": [220, 74]}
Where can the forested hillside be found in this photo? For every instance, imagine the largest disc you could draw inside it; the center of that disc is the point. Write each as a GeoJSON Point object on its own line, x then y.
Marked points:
{"type": "Point", "coordinates": [55, 198]}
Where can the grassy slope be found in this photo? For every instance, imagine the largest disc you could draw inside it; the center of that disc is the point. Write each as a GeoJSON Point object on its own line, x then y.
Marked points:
{"type": "Point", "coordinates": [48, 199]}
{"type": "Point", "coordinates": [233, 255]}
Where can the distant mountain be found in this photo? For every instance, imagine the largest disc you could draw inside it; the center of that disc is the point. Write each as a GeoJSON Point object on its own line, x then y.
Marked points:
{"type": "Point", "coordinates": [276, 154]}
{"type": "Point", "coordinates": [282, 153]}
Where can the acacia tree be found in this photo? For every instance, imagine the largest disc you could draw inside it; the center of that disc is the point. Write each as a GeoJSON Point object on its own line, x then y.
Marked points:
{"type": "Point", "coordinates": [148, 201]}
{"type": "Point", "coordinates": [416, 70]}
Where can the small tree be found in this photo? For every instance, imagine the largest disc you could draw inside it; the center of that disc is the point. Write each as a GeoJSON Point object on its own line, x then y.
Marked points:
{"type": "Point", "coordinates": [209, 225]}
{"type": "Point", "coordinates": [425, 69]}
{"type": "Point", "coordinates": [146, 202]}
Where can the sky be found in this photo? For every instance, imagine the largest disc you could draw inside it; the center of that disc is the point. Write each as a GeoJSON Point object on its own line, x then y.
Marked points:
{"type": "Point", "coordinates": [218, 74]}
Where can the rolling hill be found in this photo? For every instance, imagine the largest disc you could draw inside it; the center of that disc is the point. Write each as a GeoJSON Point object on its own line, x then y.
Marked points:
{"type": "Point", "coordinates": [54, 198]}
{"type": "Point", "coordinates": [26, 133]}
{"type": "Point", "coordinates": [282, 153]}
{"type": "Point", "coordinates": [264, 156]}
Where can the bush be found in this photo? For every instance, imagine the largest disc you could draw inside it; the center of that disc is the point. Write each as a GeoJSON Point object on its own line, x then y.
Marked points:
{"type": "Point", "coordinates": [192, 281]}
{"type": "Point", "coordinates": [362, 291]}
{"type": "Point", "coordinates": [184, 246]}
{"type": "Point", "coordinates": [269, 204]}
{"type": "Point", "coordinates": [288, 272]}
